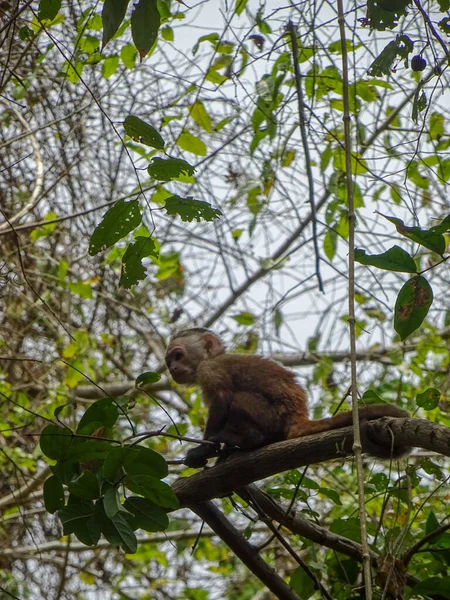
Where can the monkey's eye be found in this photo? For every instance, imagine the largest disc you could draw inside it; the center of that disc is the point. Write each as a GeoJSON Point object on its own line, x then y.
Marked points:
{"type": "Point", "coordinates": [177, 355]}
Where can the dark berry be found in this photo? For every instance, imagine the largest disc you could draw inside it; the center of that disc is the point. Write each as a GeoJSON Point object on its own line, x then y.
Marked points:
{"type": "Point", "coordinates": [418, 63]}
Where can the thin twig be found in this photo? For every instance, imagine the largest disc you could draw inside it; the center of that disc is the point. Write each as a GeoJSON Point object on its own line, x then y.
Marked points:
{"type": "Point", "coordinates": [357, 446]}
{"type": "Point", "coordinates": [292, 30]}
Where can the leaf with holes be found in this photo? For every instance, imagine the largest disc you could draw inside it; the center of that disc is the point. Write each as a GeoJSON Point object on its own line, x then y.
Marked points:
{"type": "Point", "coordinates": [143, 132]}
{"type": "Point", "coordinates": [189, 209]}
{"type": "Point", "coordinates": [117, 222]}
{"type": "Point", "coordinates": [132, 268]}
{"type": "Point", "coordinates": [412, 305]}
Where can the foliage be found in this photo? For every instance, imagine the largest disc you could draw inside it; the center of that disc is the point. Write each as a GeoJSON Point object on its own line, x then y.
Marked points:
{"type": "Point", "coordinates": [143, 196]}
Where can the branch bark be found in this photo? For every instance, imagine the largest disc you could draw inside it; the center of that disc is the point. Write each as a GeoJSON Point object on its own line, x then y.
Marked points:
{"type": "Point", "coordinates": [244, 468]}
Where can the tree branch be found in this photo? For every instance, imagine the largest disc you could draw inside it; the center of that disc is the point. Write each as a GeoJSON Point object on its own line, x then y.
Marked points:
{"type": "Point", "coordinates": [243, 550]}
{"type": "Point", "coordinates": [243, 468]}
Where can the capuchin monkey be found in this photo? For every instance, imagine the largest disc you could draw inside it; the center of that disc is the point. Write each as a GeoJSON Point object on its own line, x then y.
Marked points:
{"type": "Point", "coordinates": [253, 401]}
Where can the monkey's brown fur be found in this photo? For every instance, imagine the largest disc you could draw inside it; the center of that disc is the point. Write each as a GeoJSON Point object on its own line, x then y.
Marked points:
{"type": "Point", "coordinates": [253, 401]}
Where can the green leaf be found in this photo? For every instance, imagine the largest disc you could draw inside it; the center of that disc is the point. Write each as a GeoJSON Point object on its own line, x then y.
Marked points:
{"type": "Point", "coordinates": [428, 238]}
{"type": "Point", "coordinates": [443, 226]}
{"type": "Point", "coordinates": [55, 441]}
{"type": "Point", "coordinates": [166, 169]}
{"type": "Point", "coordinates": [117, 222]}
{"type": "Point", "coordinates": [144, 461]}
{"type": "Point", "coordinates": [147, 516]}
{"type": "Point", "coordinates": [384, 62]}
{"type": "Point", "coordinates": [201, 116]}
{"type": "Point", "coordinates": [109, 66]}
{"type": "Point", "coordinates": [330, 243]}
{"type": "Point", "coordinates": [154, 490]}
{"type": "Point", "coordinates": [302, 583]}
{"type": "Point", "coordinates": [89, 450]}
{"type": "Point", "coordinates": [48, 9]}
{"type": "Point", "coordinates": [102, 413]}
{"type": "Point", "coordinates": [412, 305]}
{"type": "Point", "coordinates": [192, 143]}
{"type": "Point", "coordinates": [128, 56]}
{"type": "Point", "coordinates": [394, 259]}
{"type": "Point", "coordinates": [385, 14]}
{"type": "Point", "coordinates": [53, 494]}
{"type": "Point", "coordinates": [111, 503]}
{"type": "Point", "coordinates": [189, 209]}
{"type": "Point", "coordinates": [380, 481]}
{"type": "Point", "coordinates": [143, 132]}
{"type": "Point", "coordinates": [132, 268]}
{"type": "Point", "coordinates": [210, 37]}
{"type": "Point", "coordinates": [113, 13]}
{"type": "Point", "coordinates": [136, 460]}
{"type": "Point", "coordinates": [429, 399]}
{"type": "Point", "coordinates": [116, 530]}
{"type": "Point", "coordinates": [147, 378]}
{"type": "Point", "coordinates": [145, 22]}
{"type": "Point", "coordinates": [78, 519]}
{"type": "Point", "coordinates": [436, 128]}
{"type": "Point", "coordinates": [433, 586]}
{"type": "Point", "coordinates": [419, 104]}
{"type": "Point", "coordinates": [245, 318]}
{"type": "Point", "coordinates": [86, 486]}
{"type": "Point", "coordinates": [240, 6]}
{"type": "Point", "coordinates": [167, 34]}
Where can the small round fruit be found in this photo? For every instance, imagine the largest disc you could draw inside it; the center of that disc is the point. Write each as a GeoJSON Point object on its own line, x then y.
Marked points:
{"type": "Point", "coordinates": [418, 63]}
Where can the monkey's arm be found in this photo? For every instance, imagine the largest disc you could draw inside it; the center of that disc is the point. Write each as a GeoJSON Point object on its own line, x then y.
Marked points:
{"type": "Point", "coordinates": [219, 404]}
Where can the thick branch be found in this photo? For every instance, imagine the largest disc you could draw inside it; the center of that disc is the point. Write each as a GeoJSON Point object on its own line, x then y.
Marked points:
{"type": "Point", "coordinates": [246, 467]}
{"type": "Point", "coordinates": [243, 550]}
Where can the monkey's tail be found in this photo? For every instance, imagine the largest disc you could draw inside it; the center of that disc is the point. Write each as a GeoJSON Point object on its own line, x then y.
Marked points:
{"type": "Point", "coordinates": [302, 427]}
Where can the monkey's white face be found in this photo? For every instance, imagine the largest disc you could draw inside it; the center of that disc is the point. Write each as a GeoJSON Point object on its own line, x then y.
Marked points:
{"type": "Point", "coordinates": [182, 359]}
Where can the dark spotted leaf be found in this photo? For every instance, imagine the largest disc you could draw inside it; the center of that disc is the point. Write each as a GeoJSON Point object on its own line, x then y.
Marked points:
{"type": "Point", "coordinates": [145, 21]}
{"type": "Point", "coordinates": [117, 222]}
{"type": "Point", "coordinates": [113, 14]}
{"type": "Point", "coordinates": [143, 132]}
{"type": "Point", "coordinates": [394, 259]}
{"type": "Point", "coordinates": [429, 399]}
{"type": "Point", "coordinates": [412, 305]}
{"type": "Point", "coordinates": [189, 209]}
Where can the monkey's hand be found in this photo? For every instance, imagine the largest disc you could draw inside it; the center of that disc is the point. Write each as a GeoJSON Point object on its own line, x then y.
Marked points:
{"type": "Point", "coordinates": [198, 457]}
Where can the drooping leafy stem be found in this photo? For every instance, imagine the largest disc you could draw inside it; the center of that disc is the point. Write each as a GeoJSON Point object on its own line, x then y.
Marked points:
{"type": "Point", "coordinates": [357, 446]}
{"type": "Point", "coordinates": [416, 295]}
{"type": "Point", "coordinates": [124, 217]}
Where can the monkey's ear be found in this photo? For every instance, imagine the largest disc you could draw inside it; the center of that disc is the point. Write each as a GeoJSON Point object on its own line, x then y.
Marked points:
{"type": "Point", "coordinates": [213, 344]}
